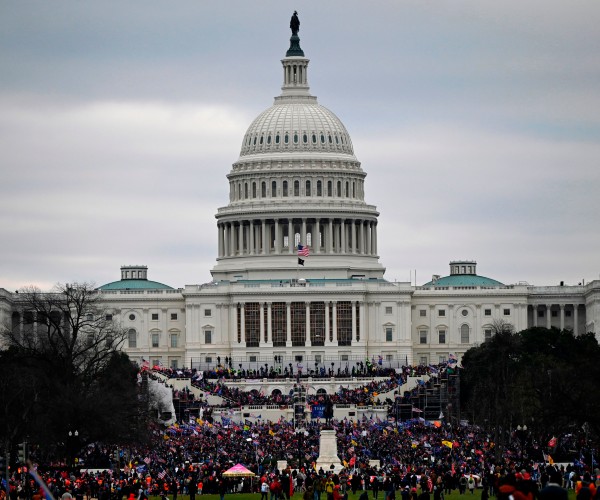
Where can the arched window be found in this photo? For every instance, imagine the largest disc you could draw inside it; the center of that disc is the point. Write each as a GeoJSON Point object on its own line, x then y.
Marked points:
{"type": "Point", "coordinates": [261, 139]}
{"type": "Point", "coordinates": [245, 190]}
{"type": "Point", "coordinates": [296, 188]}
{"type": "Point", "coordinates": [273, 189]}
{"type": "Point", "coordinates": [337, 141]}
{"type": "Point", "coordinates": [307, 191]}
{"type": "Point", "coordinates": [339, 188]}
{"type": "Point", "coordinates": [314, 139]}
{"type": "Point", "coordinates": [285, 188]}
{"type": "Point", "coordinates": [353, 189]}
{"type": "Point", "coordinates": [330, 139]}
{"type": "Point", "coordinates": [329, 188]}
{"type": "Point", "coordinates": [132, 339]}
{"type": "Point", "coordinates": [239, 191]}
{"type": "Point", "coordinates": [286, 139]}
{"type": "Point", "coordinates": [295, 138]}
{"type": "Point", "coordinates": [269, 139]}
{"type": "Point", "coordinates": [347, 189]}
{"type": "Point", "coordinates": [263, 190]}
{"type": "Point", "coordinates": [322, 139]}
{"type": "Point", "coordinates": [255, 140]}
{"type": "Point", "coordinates": [277, 139]}
{"type": "Point", "coordinates": [304, 138]}
{"type": "Point", "coordinates": [464, 334]}
{"type": "Point", "coordinates": [319, 188]}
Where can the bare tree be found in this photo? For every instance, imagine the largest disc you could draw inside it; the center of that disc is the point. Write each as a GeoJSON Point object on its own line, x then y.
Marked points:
{"type": "Point", "coordinates": [69, 324]}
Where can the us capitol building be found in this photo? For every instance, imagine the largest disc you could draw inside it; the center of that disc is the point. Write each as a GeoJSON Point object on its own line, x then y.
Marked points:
{"type": "Point", "coordinates": [298, 182]}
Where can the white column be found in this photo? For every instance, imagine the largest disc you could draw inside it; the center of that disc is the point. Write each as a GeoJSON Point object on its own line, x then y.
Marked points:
{"type": "Point", "coordinates": [303, 233]}
{"type": "Point", "coordinates": [220, 239]}
{"type": "Point", "coordinates": [362, 322]}
{"type": "Point", "coordinates": [575, 319]}
{"type": "Point", "coordinates": [251, 238]}
{"type": "Point", "coordinates": [243, 323]}
{"type": "Point", "coordinates": [548, 316]}
{"type": "Point", "coordinates": [290, 236]}
{"type": "Point", "coordinates": [316, 235]}
{"type": "Point", "coordinates": [375, 238]}
{"type": "Point", "coordinates": [369, 239]}
{"type": "Point", "coordinates": [329, 239]}
{"type": "Point", "coordinates": [361, 247]}
{"type": "Point", "coordinates": [264, 237]}
{"type": "Point", "coordinates": [277, 238]}
{"type": "Point", "coordinates": [562, 316]}
{"type": "Point", "coordinates": [535, 315]}
{"type": "Point", "coordinates": [269, 325]}
{"type": "Point", "coordinates": [343, 236]}
{"type": "Point", "coordinates": [241, 238]}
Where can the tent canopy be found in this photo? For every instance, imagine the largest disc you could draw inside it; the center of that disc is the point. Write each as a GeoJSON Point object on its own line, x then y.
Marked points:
{"type": "Point", "coordinates": [238, 471]}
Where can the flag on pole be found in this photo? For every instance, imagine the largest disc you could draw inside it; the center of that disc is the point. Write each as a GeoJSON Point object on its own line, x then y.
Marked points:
{"type": "Point", "coordinates": [303, 251]}
{"type": "Point", "coordinates": [300, 261]}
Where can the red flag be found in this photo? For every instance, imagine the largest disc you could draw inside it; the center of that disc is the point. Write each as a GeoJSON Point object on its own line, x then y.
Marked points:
{"type": "Point", "coordinates": [552, 442]}
{"type": "Point", "coordinates": [352, 461]}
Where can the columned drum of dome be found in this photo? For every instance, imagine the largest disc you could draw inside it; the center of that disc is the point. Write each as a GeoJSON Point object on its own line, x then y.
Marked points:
{"type": "Point", "coordinates": [297, 181]}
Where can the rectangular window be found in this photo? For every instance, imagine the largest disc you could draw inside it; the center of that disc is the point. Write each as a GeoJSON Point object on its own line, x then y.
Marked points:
{"type": "Point", "coordinates": [208, 336]}
{"type": "Point", "coordinates": [155, 339]}
{"type": "Point", "coordinates": [568, 313]}
{"type": "Point", "coordinates": [344, 357]}
{"type": "Point", "coordinates": [108, 317]}
{"type": "Point", "coordinates": [487, 333]}
{"type": "Point", "coordinates": [252, 324]}
{"type": "Point", "coordinates": [208, 359]}
{"type": "Point", "coordinates": [423, 360]}
{"type": "Point", "coordinates": [388, 334]}
{"type": "Point", "coordinates": [442, 336]}
{"type": "Point", "coordinates": [173, 316]}
{"type": "Point", "coordinates": [389, 357]}
{"type": "Point", "coordinates": [207, 312]}
{"type": "Point", "coordinates": [174, 364]}
{"type": "Point", "coordinates": [388, 309]}
{"type": "Point", "coordinates": [131, 339]}
{"type": "Point", "coordinates": [252, 359]}
{"type": "Point", "coordinates": [441, 312]}
{"type": "Point", "coordinates": [506, 312]}
{"type": "Point", "coordinates": [442, 359]}
{"type": "Point", "coordinates": [540, 313]}
{"type": "Point", "coordinates": [174, 340]}
{"type": "Point", "coordinates": [318, 358]}
{"type": "Point", "coordinates": [154, 316]}
{"type": "Point", "coordinates": [554, 314]}
{"type": "Point", "coordinates": [422, 313]}
{"type": "Point", "coordinates": [423, 337]}
{"type": "Point", "coordinates": [279, 323]}
{"type": "Point", "coordinates": [317, 323]}
{"type": "Point", "coordinates": [298, 358]}
{"type": "Point", "coordinates": [487, 312]}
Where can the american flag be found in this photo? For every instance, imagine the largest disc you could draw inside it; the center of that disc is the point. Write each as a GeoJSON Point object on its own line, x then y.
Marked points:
{"type": "Point", "coordinates": [162, 474]}
{"type": "Point", "coordinates": [303, 251]}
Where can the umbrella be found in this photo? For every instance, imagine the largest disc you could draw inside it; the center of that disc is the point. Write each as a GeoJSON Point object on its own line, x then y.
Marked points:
{"type": "Point", "coordinates": [238, 471]}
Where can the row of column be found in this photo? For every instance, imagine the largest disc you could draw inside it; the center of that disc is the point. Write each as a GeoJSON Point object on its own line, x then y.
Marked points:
{"type": "Point", "coordinates": [266, 237]}
{"type": "Point", "coordinates": [331, 337]}
{"type": "Point", "coordinates": [547, 308]}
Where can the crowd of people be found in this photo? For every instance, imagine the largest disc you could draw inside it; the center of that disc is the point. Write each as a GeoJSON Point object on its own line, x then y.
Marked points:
{"type": "Point", "coordinates": [412, 460]}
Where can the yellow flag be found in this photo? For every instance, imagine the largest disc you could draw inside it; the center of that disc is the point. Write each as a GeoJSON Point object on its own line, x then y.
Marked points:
{"type": "Point", "coordinates": [447, 443]}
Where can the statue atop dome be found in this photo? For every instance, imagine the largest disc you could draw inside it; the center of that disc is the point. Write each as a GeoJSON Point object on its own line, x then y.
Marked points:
{"type": "Point", "coordinates": [295, 24]}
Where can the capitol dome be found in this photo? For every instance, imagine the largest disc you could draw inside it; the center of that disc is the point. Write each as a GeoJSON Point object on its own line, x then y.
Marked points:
{"type": "Point", "coordinates": [297, 187]}
{"type": "Point", "coordinates": [296, 125]}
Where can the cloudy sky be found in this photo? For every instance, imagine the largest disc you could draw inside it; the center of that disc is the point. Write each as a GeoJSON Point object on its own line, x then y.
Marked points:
{"type": "Point", "coordinates": [477, 122]}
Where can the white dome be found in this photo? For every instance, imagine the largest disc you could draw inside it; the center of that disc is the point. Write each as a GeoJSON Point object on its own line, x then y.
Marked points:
{"type": "Point", "coordinates": [299, 125]}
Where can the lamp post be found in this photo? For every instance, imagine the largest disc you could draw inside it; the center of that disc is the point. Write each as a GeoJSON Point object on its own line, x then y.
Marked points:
{"type": "Point", "coordinates": [72, 447]}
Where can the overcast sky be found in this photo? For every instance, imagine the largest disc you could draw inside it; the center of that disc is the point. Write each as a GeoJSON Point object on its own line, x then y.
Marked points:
{"type": "Point", "coordinates": [477, 122]}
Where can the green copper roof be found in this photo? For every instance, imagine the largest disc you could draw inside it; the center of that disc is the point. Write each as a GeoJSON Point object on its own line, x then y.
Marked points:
{"type": "Point", "coordinates": [464, 280]}
{"type": "Point", "coordinates": [135, 285]}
